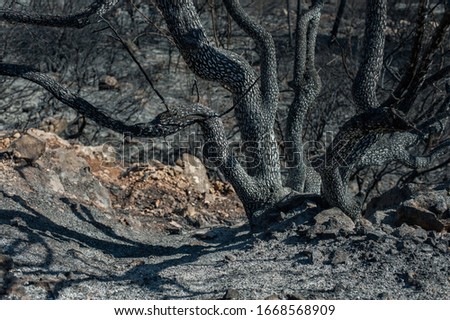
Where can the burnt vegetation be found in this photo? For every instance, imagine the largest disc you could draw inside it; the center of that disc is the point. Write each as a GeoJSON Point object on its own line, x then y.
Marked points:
{"type": "Point", "coordinates": [325, 104]}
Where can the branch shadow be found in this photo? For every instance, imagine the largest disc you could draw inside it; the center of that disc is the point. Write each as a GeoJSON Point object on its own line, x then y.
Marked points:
{"type": "Point", "coordinates": [38, 228]}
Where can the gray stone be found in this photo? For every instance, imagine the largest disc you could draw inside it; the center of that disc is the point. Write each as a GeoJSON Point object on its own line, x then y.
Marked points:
{"type": "Point", "coordinates": [196, 172]}
{"type": "Point", "coordinates": [387, 228]}
{"type": "Point", "coordinates": [420, 234]}
{"type": "Point", "coordinates": [232, 294]}
{"type": "Point", "coordinates": [335, 221]}
{"type": "Point", "coordinates": [317, 256]}
{"type": "Point", "coordinates": [436, 201]}
{"type": "Point", "coordinates": [378, 217]}
{"type": "Point", "coordinates": [415, 206]}
{"type": "Point", "coordinates": [230, 257]}
{"type": "Point", "coordinates": [73, 173]}
{"type": "Point", "coordinates": [339, 257]}
{"type": "Point", "coordinates": [375, 235]}
{"type": "Point", "coordinates": [403, 231]}
{"type": "Point", "coordinates": [28, 148]}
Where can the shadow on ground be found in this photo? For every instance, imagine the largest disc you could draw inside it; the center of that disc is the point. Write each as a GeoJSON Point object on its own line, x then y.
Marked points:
{"type": "Point", "coordinates": [66, 248]}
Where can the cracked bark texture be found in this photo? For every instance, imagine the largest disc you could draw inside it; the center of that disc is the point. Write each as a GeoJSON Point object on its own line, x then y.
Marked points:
{"type": "Point", "coordinates": [255, 110]}
{"type": "Point", "coordinates": [361, 141]}
{"type": "Point", "coordinates": [365, 83]}
{"type": "Point", "coordinates": [307, 86]}
{"type": "Point", "coordinates": [378, 133]}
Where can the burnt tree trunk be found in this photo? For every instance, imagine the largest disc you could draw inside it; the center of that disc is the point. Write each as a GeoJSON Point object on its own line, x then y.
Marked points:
{"type": "Point", "coordinates": [380, 131]}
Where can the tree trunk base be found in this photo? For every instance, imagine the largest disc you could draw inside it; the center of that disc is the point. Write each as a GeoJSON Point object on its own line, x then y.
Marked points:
{"type": "Point", "coordinates": [282, 211]}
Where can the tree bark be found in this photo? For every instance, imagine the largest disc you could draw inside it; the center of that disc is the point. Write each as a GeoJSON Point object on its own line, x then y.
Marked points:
{"type": "Point", "coordinates": [78, 20]}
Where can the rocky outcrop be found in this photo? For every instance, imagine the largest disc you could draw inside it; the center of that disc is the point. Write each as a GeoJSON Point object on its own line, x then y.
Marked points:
{"type": "Point", "coordinates": [54, 165]}
{"type": "Point", "coordinates": [194, 169]}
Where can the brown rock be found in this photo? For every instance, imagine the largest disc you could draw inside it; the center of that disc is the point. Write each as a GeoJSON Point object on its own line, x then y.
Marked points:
{"type": "Point", "coordinates": [390, 199]}
{"type": "Point", "coordinates": [64, 172]}
{"type": "Point", "coordinates": [104, 153]}
{"type": "Point", "coordinates": [52, 140]}
{"type": "Point", "coordinates": [28, 148]}
{"type": "Point", "coordinates": [55, 125]}
{"type": "Point", "coordinates": [410, 214]}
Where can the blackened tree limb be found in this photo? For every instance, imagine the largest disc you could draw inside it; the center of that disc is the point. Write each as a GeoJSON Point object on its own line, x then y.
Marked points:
{"type": "Point", "coordinates": [266, 50]}
{"type": "Point", "coordinates": [426, 62]}
{"type": "Point", "coordinates": [365, 84]}
{"type": "Point", "coordinates": [346, 145]}
{"type": "Point", "coordinates": [218, 152]}
{"type": "Point", "coordinates": [78, 20]}
{"type": "Point", "coordinates": [337, 21]}
{"type": "Point", "coordinates": [236, 75]}
{"type": "Point", "coordinates": [214, 64]}
{"type": "Point", "coordinates": [416, 52]}
{"type": "Point", "coordinates": [269, 92]}
{"type": "Point", "coordinates": [305, 43]}
{"type": "Point", "coordinates": [164, 124]}
{"type": "Point", "coordinates": [354, 138]}
{"type": "Point", "coordinates": [438, 75]}
{"type": "Point", "coordinates": [216, 149]}
{"type": "Point", "coordinates": [307, 86]}
{"type": "Point", "coordinates": [417, 172]}
{"type": "Point", "coordinates": [395, 148]}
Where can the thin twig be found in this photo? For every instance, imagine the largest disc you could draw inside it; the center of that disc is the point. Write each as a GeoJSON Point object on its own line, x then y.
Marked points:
{"type": "Point", "coordinates": [147, 77]}
{"type": "Point", "coordinates": [240, 98]}
{"type": "Point", "coordinates": [344, 61]}
{"type": "Point", "coordinates": [161, 31]}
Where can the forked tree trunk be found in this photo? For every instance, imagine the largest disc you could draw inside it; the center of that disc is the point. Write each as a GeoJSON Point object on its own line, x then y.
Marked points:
{"type": "Point", "coordinates": [360, 142]}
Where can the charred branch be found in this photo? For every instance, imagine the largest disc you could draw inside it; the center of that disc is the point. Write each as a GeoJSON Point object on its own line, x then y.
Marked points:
{"type": "Point", "coordinates": [306, 84]}
{"type": "Point", "coordinates": [266, 49]}
{"type": "Point", "coordinates": [78, 20]}
{"type": "Point", "coordinates": [416, 78]}
{"type": "Point", "coordinates": [164, 124]}
{"type": "Point", "coordinates": [337, 21]}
